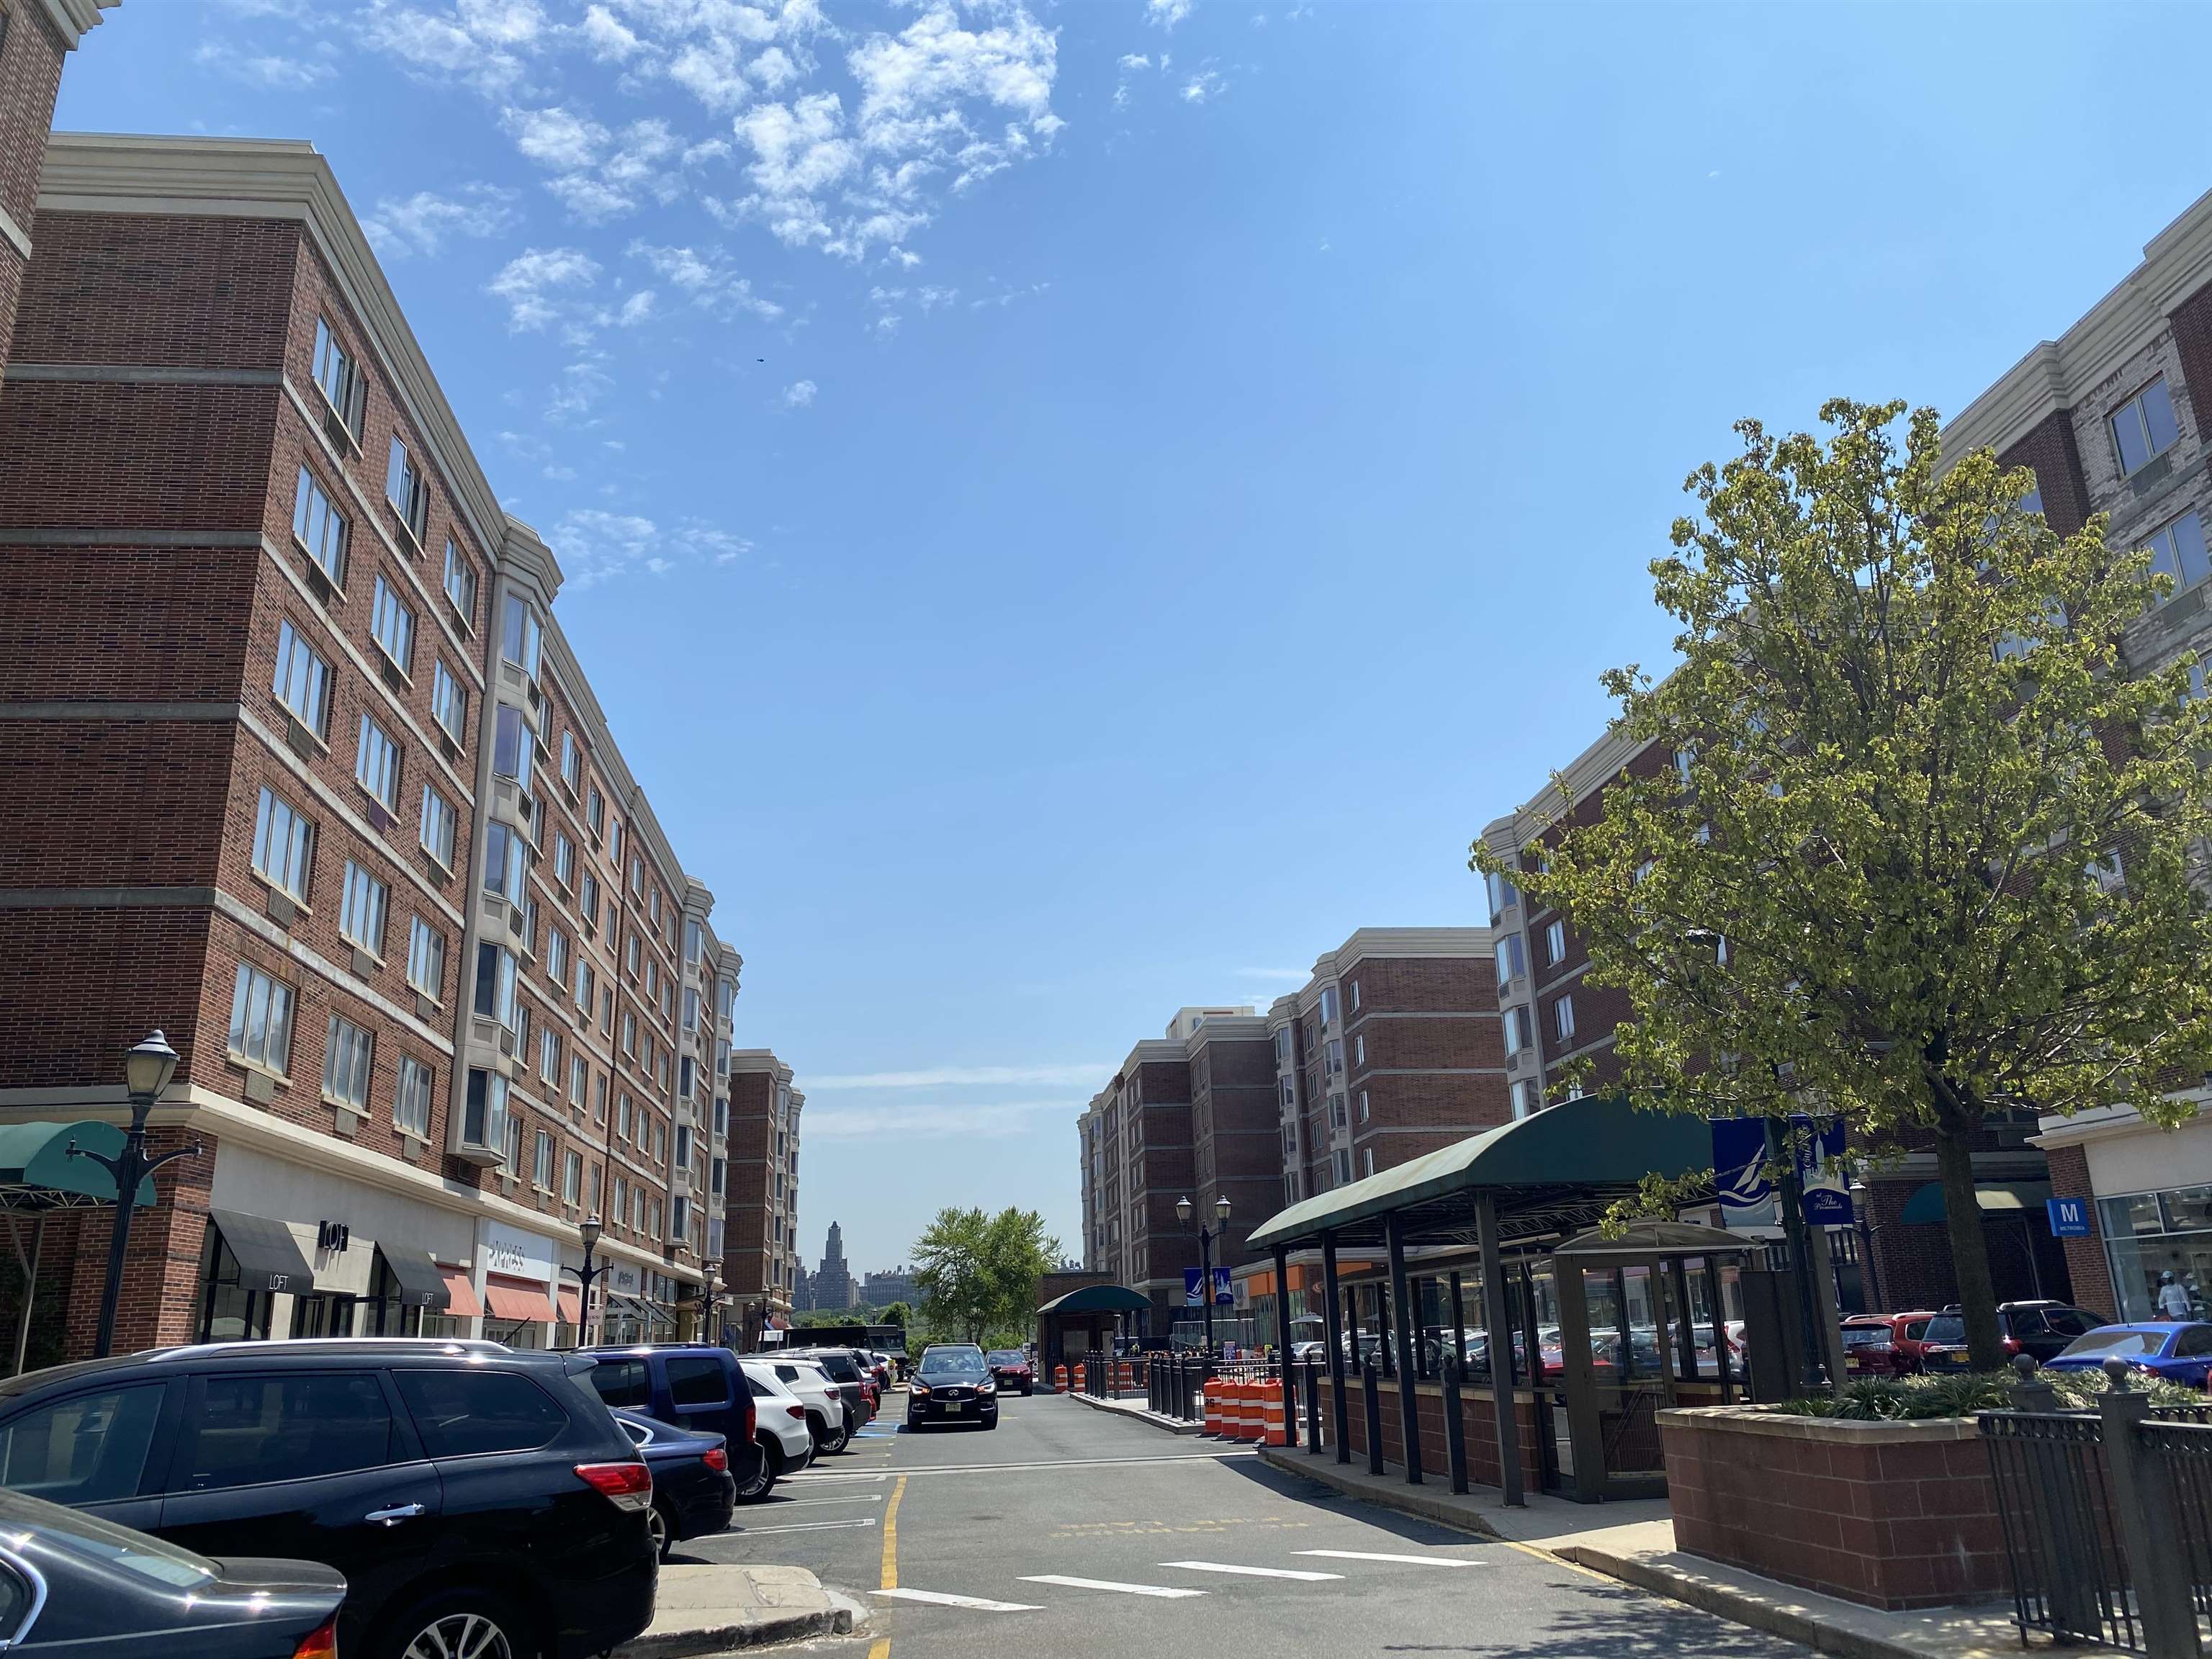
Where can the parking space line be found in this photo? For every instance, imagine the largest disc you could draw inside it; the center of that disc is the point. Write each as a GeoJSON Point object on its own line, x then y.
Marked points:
{"type": "Point", "coordinates": [1165, 1591]}
{"type": "Point", "coordinates": [1409, 1560]}
{"type": "Point", "coordinates": [939, 1598]}
{"type": "Point", "coordinates": [806, 1526]}
{"type": "Point", "coordinates": [1299, 1573]}
{"type": "Point", "coordinates": [802, 1502]}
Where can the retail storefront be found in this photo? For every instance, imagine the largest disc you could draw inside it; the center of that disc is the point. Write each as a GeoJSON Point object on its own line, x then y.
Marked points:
{"type": "Point", "coordinates": [521, 1276]}
{"type": "Point", "coordinates": [2150, 1211]}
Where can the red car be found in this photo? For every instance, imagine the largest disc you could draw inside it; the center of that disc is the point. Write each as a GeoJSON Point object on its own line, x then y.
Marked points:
{"type": "Point", "coordinates": [1011, 1369]}
{"type": "Point", "coordinates": [1884, 1345]}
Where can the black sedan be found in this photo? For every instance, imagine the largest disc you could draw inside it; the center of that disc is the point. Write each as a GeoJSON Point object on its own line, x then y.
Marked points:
{"type": "Point", "coordinates": [953, 1386]}
{"type": "Point", "coordinates": [694, 1493]}
{"type": "Point", "coordinates": [68, 1581]}
{"type": "Point", "coordinates": [1009, 1369]}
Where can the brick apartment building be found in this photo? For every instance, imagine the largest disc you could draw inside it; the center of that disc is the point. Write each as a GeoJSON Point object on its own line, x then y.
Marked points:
{"type": "Point", "coordinates": [36, 38]}
{"type": "Point", "coordinates": [1390, 1050]}
{"type": "Point", "coordinates": [761, 1263]}
{"type": "Point", "coordinates": [300, 767]}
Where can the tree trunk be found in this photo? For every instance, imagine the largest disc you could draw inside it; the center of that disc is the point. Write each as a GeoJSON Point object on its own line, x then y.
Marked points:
{"type": "Point", "coordinates": [1970, 1251]}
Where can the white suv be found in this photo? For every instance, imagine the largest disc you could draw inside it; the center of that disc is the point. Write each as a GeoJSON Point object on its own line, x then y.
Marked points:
{"type": "Point", "coordinates": [785, 1435]}
{"type": "Point", "coordinates": [819, 1392]}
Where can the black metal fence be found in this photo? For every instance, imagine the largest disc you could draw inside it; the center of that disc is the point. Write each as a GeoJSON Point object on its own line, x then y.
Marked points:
{"type": "Point", "coordinates": [2107, 1520]}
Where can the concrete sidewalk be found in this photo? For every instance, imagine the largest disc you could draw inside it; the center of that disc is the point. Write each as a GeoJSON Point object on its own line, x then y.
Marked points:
{"type": "Point", "coordinates": [706, 1609]}
{"type": "Point", "coordinates": [1138, 1410]}
{"type": "Point", "coordinates": [1634, 1543]}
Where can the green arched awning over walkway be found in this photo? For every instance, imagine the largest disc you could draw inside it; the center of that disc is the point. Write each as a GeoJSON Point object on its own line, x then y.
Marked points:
{"type": "Point", "coordinates": [1096, 1298]}
{"type": "Point", "coordinates": [2020, 1198]}
{"type": "Point", "coordinates": [38, 1173]}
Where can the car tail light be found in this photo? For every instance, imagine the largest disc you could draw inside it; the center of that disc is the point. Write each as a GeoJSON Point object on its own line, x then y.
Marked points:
{"type": "Point", "coordinates": [320, 1643]}
{"type": "Point", "coordinates": [716, 1459]}
{"type": "Point", "coordinates": [628, 1485]}
{"type": "Point", "coordinates": [798, 1411]}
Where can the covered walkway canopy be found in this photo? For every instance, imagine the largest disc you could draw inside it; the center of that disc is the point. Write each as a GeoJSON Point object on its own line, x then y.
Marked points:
{"type": "Point", "coordinates": [1094, 1309]}
{"type": "Point", "coordinates": [1536, 1185]}
{"type": "Point", "coordinates": [42, 1170]}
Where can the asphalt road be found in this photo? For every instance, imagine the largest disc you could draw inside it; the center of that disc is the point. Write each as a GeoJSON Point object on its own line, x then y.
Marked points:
{"type": "Point", "coordinates": [1000, 1522]}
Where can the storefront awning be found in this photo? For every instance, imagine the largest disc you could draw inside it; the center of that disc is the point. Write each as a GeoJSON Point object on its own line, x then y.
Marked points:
{"type": "Point", "coordinates": [517, 1301]}
{"type": "Point", "coordinates": [421, 1281]}
{"type": "Point", "coordinates": [38, 1173]}
{"type": "Point", "coordinates": [460, 1295]}
{"type": "Point", "coordinates": [269, 1257]}
{"type": "Point", "coordinates": [569, 1302]}
{"type": "Point", "coordinates": [1992, 1197]}
{"type": "Point", "coordinates": [625, 1307]}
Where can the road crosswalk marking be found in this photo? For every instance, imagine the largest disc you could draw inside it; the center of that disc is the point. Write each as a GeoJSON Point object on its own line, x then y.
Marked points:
{"type": "Point", "coordinates": [1297, 1573]}
{"type": "Point", "coordinates": [939, 1598]}
{"type": "Point", "coordinates": [1164, 1590]}
{"type": "Point", "coordinates": [1410, 1561]}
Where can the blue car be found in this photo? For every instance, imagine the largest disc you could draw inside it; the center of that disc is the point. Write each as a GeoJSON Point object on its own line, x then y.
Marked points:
{"type": "Point", "coordinates": [2180, 1352]}
{"type": "Point", "coordinates": [693, 1495]}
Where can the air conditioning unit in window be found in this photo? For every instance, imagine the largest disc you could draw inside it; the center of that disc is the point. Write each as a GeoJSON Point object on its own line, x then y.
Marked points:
{"type": "Point", "coordinates": [378, 815]}
{"type": "Point", "coordinates": [318, 584]}
{"type": "Point", "coordinates": [335, 429]}
{"type": "Point", "coordinates": [447, 747]}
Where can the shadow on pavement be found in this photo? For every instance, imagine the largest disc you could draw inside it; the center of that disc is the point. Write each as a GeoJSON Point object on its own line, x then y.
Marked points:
{"type": "Point", "coordinates": [1612, 1621]}
{"type": "Point", "coordinates": [1299, 1490]}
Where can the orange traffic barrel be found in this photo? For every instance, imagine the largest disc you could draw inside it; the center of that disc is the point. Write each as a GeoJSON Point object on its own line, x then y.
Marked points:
{"type": "Point", "coordinates": [1060, 1379]}
{"type": "Point", "coordinates": [1272, 1408]}
{"type": "Point", "coordinates": [1216, 1395]}
{"type": "Point", "coordinates": [1248, 1414]}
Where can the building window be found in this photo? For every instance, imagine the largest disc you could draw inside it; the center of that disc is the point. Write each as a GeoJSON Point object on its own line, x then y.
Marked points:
{"type": "Point", "coordinates": [449, 703]}
{"type": "Point", "coordinates": [485, 1119]}
{"type": "Point", "coordinates": [261, 1020]}
{"type": "Point", "coordinates": [1511, 961]}
{"type": "Point", "coordinates": [342, 383]}
{"type": "Point", "coordinates": [360, 915]}
{"type": "Point", "coordinates": [1328, 1005]}
{"type": "Point", "coordinates": [621, 1201]}
{"type": "Point", "coordinates": [519, 634]}
{"type": "Point", "coordinates": [684, 1078]}
{"type": "Point", "coordinates": [572, 1178]}
{"type": "Point", "coordinates": [376, 764]}
{"type": "Point", "coordinates": [541, 1165]}
{"type": "Point", "coordinates": [345, 1064]}
{"type": "Point", "coordinates": [629, 1034]}
{"type": "Point", "coordinates": [410, 1099]}
{"type": "Point", "coordinates": [320, 527]}
{"type": "Point", "coordinates": [586, 981]}
{"type": "Point", "coordinates": [1563, 1019]}
{"type": "Point", "coordinates": [1363, 1106]}
{"type": "Point", "coordinates": [511, 746]}
{"type": "Point", "coordinates": [507, 861]}
{"type": "Point", "coordinates": [1335, 1057]}
{"type": "Point", "coordinates": [2142, 428]}
{"type": "Point", "coordinates": [2179, 551]}
{"type": "Point", "coordinates": [406, 488]}
{"type": "Point", "coordinates": [1520, 1097]}
{"type": "Point", "coordinates": [590, 893]}
{"type": "Point", "coordinates": [1367, 1159]}
{"type": "Point", "coordinates": [1503, 896]}
{"type": "Point", "coordinates": [579, 1078]}
{"type": "Point", "coordinates": [614, 841]}
{"type": "Point", "coordinates": [1359, 1049]}
{"type": "Point", "coordinates": [1555, 944]}
{"type": "Point", "coordinates": [426, 959]}
{"type": "Point", "coordinates": [595, 811]}
{"type": "Point", "coordinates": [654, 905]}
{"type": "Point", "coordinates": [461, 584]}
{"type": "Point", "coordinates": [1341, 1164]}
{"type": "Point", "coordinates": [495, 995]}
{"type": "Point", "coordinates": [637, 876]}
{"type": "Point", "coordinates": [564, 860]}
{"type": "Point", "coordinates": [557, 956]}
{"type": "Point", "coordinates": [572, 763]}
{"type": "Point", "coordinates": [394, 625]}
{"type": "Point", "coordinates": [282, 840]}
{"type": "Point", "coordinates": [1336, 1118]}
{"type": "Point", "coordinates": [690, 1009]}
{"type": "Point", "coordinates": [439, 826]}
{"type": "Point", "coordinates": [1516, 1029]}
{"type": "Point", "coordinates": [679, 1214]}
{"type": "Point", "coordinates": [303, 679]}
{"type": "Point", "coordinates": [549, 1054]}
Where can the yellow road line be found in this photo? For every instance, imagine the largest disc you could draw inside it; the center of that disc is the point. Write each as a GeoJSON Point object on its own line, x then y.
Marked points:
{"type": "Point", "coordinates": [882, 1647]}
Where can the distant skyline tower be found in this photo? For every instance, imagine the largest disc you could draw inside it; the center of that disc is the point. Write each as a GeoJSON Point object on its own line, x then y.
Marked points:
{"type": "Point", "coordinates": [833, 1284]}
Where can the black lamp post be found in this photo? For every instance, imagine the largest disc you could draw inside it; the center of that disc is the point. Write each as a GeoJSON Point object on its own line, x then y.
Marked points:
{"type": "Point", "coordinates": [589, 1230]}
{"type": "Point", "coordinates": [146, 1070]}
{"type": "Point", "coordinates": [1861, 1199]}
{"type": "Point", "coordinates": [708, 1269]}
{"type": "Point", "coordinates": [1206, 1239]}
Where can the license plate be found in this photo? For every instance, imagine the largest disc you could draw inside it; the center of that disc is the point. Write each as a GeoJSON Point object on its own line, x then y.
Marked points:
{"type": "Point", "coordinates": [954, 1405]}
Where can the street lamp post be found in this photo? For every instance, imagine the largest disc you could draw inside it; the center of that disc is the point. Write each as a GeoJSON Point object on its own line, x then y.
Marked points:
{"type": "Point", "coordinates": [1206, 1241]}
{"type": "Point", "coordinates": [589, 1230]}
{"type": "Point", "coordinates": [146, 1070]}
{"type": "Point", "coordinates": [1861, 1197]}
{"type": "Point", "coordinates": [707, 1332]}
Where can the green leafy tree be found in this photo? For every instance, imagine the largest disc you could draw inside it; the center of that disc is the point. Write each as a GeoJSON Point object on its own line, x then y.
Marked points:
{"type": "Point", "coordinates": [1931, 850]}
{"type": "Point", "coordinates": [977, 1272]}
{"type": "Point", "coordinates": [899, 1314]}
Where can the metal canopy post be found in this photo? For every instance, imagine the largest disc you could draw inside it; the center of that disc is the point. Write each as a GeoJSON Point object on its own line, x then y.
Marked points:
{"type": "Point", "coordinates": [1500, 1321]}
{"type": "Point", "coordinates": [1283, 1343]}
{"type": "Point", "coordinates": [1340, 1409]}
{"type": "Point", "coordinates": [1409, 1403]}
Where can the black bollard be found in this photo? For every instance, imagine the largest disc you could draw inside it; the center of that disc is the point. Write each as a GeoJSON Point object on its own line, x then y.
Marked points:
{"type": "Point", "coordinates": [1370, 1388]}
{"type": "Point", "coordinates": [1313, 1407]}
{"type": "Point", "coordinates": [1454, 1428]}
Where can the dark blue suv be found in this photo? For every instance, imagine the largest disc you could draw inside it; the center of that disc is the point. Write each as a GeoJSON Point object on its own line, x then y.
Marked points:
{"type": "Point", "coordinates": [694, 1385]}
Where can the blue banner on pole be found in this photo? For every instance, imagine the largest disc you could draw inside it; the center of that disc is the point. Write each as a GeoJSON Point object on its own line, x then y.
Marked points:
{"type": "Point", "coordinates": [1740, 1180]}
{"type": "Point", "coordinates": [2069, 1217]}
{"type": "Point", "coordinates": [1224, 1294]}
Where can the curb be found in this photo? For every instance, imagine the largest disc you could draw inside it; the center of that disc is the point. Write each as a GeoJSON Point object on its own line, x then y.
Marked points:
{"type": "Point", "coordinates": [751, 1633]}
{"type": "Point", "coordinates": [1172, 1424]}
{"type": "Point", "coordinates": [1413, 1500]}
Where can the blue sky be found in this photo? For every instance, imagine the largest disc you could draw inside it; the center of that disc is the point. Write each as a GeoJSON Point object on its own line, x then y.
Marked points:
{"type": "Point", "coordinates": [1072, 509]}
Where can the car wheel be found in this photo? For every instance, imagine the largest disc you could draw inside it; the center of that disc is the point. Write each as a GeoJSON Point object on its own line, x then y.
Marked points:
{"type": "Point", "coordinates": [770, 1470]}
{"type": "Point", "coordinates": [454, 1623]}
{"type": "Point", "coordinates": [830, 1442]}
{"type": "Point", "coordinates": [658, 1524]}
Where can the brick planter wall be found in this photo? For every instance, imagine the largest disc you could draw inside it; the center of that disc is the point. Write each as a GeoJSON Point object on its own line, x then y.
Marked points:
{"type": "Point", "coordinates": [1480, 1428]}
{"type": "Point", "coordinates": [1891, 1514]}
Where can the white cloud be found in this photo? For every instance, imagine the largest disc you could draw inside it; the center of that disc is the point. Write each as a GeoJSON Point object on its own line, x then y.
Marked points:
{"type": "Point", "coordinates": [709, 278]}
{"type": "Point", "coordinates": [577, 392]}
{"type": "Point", "coordinates": [536, 283]}
{"type": "Point", "coordinates": [635, 309]}
{"type": "Point", "coordinates": [421, 223]}
{"type": "Point", "coordinates": [800, 394]}
{"type": "Point", "coordinates": [282, 74]}
{"type": "Point", "coordinates": [1135, 60]}
{"type": "Point", "coordinates": [556, 138]}
{"type": "Point", "coordinates": [594, 546]}
{"type": "Point", "coordinates": [935, 1121]}
{"type": "Point", "coordinates": [1166, 13]}
{"type": "Point", "coordinates": [773, 69]}
{"type": "Point", "coordinates": [610, 41]}
{"type": "Point", "coordinates": [1203, 86]}
{"type": "Point", "coordinates": [484, 44]}
{"type": "Point", "coordinates": [964, 1077]}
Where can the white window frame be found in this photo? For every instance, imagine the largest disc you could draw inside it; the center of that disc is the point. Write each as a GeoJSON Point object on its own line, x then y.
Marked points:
{"type": "Point", "coordinates": [557, 956]}
{"type": "Point", "coordinates": [564, 860]}
{"type": "Point", "coordinates": [408, 491]}
{"type": "Point", "coordinates": [283, 845]}
{"type": "Point", "coordinates": [410, 1097]}
{"type": "Point", "coordinates": [449, 703]}
{"type": "Point", "coordinates": [521, 635]}
{"type": "Point", "coordinates": [460, 584]}
{"type": "Point", "coordinates": [337, 376]}
{"type": "Point", "coordinates": [1563, 1019]}
{"type": "Point", "coordinates": [365, 906]}
{"type": "Point", "coordinates": [261, 1020]}
{"type": "Point", "coordinates": [2134, 412]}
{"type": "Point", "coordinates": [1555, 943]}
{"type": "Point", "coordinates": [549, 1055]}
{"type": "Point", "coordinates": [319, 527]}
{"type": "Point", "coordinates": [348, 1055]}
{"type": "Point", "coordinates": [439, 827]}
{"type": "Point", "coordinates": [296, 660]}
{"type": "Point", "coordinates": [2165, 552]}
{"type": "Point", "coordinates": [377, 763]}
{"type": "Point", "coordinates": [426, 959]}
{"type": "Point", "coordinates": [391, 623]}
{"type": "Point", "coordinates": [571, 759]}
{"type": "Point", "coordinates": [541, 1161]}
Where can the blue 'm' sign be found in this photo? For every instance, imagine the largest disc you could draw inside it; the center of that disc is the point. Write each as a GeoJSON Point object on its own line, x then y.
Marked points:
{"type": "Point", "coordinates": [2069, 1217]}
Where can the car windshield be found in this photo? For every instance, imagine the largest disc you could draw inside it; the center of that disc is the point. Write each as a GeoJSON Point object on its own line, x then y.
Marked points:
{"type": "Point", "coordinates": [1008, 1357]}
{"type": "Point", "coordinates": [1866, 1336]}
{"type": "Point", "coordinates": [1946, 1327]}
{"type": "Point", "coordinates": [2118, 1342]}
{"type": "Point", "coordinates": [954, 1365]}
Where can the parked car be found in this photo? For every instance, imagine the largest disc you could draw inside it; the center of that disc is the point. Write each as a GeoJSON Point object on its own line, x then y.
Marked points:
{"type": "Point", "coordinates": [2181, 1354]}
{"type": "Point", "coordinates": [785, 1435]}
{"type": "Point", "coordinates": [828, 1417]}
{"type": "Point", "coordinates": [952, 1384]}
{"type": "Point", "coordinates": [456, 1486]}
{"type": "Point", "coordinates": [693, 1385]}
{"type": "Point", "coordinates": [693, 1495]}
{"type": "Point", "coordinates": [858, 1387]}
{"type": "Point", "coordinates": [2042, 1329]}
{"type": "Point", "coordinates": [1009, 1369]}
{"type": "Point", "coordinates": [71, 1582]}
{"type": "Point", "coordinates": [1884, 1345]}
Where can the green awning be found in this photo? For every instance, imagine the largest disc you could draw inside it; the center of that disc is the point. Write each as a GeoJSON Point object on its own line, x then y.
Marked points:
{"type": "Point", "coordinates": [1096, 1298]}
{"type": "Point", "coordinates": [1556, 1168]}
{"type": "Point", "coordinates": [38, 1173]}
{"type": "Point", "coordinates": [1925, 1207]}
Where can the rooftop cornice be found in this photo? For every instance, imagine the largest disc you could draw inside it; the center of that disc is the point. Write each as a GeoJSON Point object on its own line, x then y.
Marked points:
{"type": "Point", "coordinates": [73, 19]}
{"type": "Point", "coordinates": [524, 556]}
